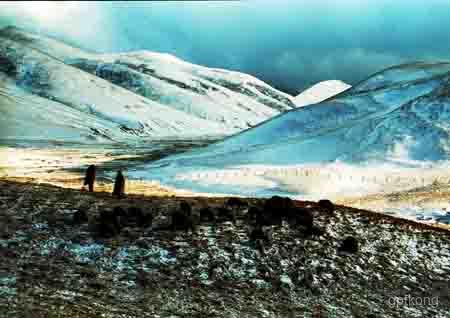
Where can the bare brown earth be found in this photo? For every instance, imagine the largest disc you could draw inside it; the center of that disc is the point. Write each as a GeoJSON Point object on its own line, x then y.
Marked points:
{"type": "Point", "coordinates": [52, 268]}
{"type": "Point", "coordinates": [436, 195]}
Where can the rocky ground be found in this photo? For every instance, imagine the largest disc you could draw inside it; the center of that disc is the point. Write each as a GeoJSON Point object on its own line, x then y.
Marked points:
{"type": "Point", "coordinates": [53, 268]}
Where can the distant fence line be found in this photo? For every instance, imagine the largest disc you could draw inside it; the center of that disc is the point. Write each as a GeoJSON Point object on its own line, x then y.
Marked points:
{"type": "Point", "coordinates": [302, 175]}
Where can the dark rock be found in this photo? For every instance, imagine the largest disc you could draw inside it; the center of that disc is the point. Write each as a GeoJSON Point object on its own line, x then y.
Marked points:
{"type": "Point", "coordinates": [97, 284]}
{"type": "Point", "coordinates": [143, 279]}
{"type": "Point", "coordinates": [236, 202]}
{"type": "Point", "coordinates": [259, 245]}
{"type": "Point", "coordinates": [109, 224]}
{"type": "Point", "coordinates": [326, 205]}
{"type": "Point", "coordinates": [314, 231]}
{"type": "Point", "coordinates": [80, 217]}
{"type": "Point", "coordinates": [186, 208]}
{"type": "Point", "coordinates": [260, 235]}
{"type": "Point", "coordinates": [278, 204]}
{"type": "Point", "coordinates": [89, 272]}
{"type": "Point", "coordinates": [7, 66]}
{"type": "Point", "coordinates": [257, 233]}
{"type": "Point", "coordinates": [146, 219]}
{"type": "Point", "coordinates": [276, 208]}
{"type": "Point", "coordinates": [121, 215]}
{"type": "Point", "coordinates": [139, 217]}
{"type": "Point", "coordinates": [120, 212]}
{"type": "Point", "coordinates": [225, 214]}
{"type": "Point", "coordinates": [143, 244]}
{"type": "Point", "coordinates": [53, 220]}
{"type": "Point", "coordinates": [182, 219]}
{"type": "Point", "coordinates": [253, 213]}
{"type": "Point", "coordinates": [260, 217]}
{"type": "Point", "coordinates": [207, 215]}
{"type": "Point", "coordinates": [349, 245]}
{"type": "Point", "coordinates": [301, 217]}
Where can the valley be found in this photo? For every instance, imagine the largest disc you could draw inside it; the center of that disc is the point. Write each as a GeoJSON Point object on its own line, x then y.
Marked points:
{"type": "Point", "coordinates": [229, 159]}
{"type": "Point", "coordinates": [197, 138]}
{"type": "Point", "coordinates": [64, 108]}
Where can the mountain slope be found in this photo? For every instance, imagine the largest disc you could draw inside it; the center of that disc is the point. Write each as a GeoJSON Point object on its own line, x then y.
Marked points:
{"type": "Point", "coordinates": [397, 118]}
{"type": "Point", "coordinates": [320, 92]}
{"type": "Point", "coordinates": [367, 123]}
{"type": "Point", "coordinates": [65, 269]}
{"type": "Point", "coordinates": [30, 117]}
{"type": "Point", "coordinates": [144, 94]}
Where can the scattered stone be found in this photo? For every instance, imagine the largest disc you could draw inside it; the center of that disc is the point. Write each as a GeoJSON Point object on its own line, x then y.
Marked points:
{"type": "Point", "coordinates": [258, 233]}
{"type": "Point", "coordinates": [139, 217]}
{"type": "Point", "coordinates": [186, 208]}
{"type": "Point", "coordinates": [182, 218]}
{"type": "Point", "coordinates": [253, 213]}
{"type": "Point", "coordinates": [143, 279]}
{"type": "Point", "coordinates": [120, 212]}
{"type": "Point", "coordinates": [314, 231]}
{"type": "Point", "coordinates": [286, 282]}
{"type": "Point", "coordinates": [349, 245]}
{"type": "Point", "coordinates": [326, 205]}
{"type": "Point", "coordinates": [109, 224]}
{"type": "Point", "coordinates": [276, 208]}
{"type": "Point", "coordinates": [244, 269]}
{"type": "Point", "coordinates": [207, 215]}
{"type": "Point", "coordinates": [80, 217]}
{"type": "Point", "coordinates": [97, 284]}
{"type": "Point", "coordinates": [236, 202]}
{"type": "Point", "coordinates": [7, 66]}
{"type": "Point", "coordinates": [225, 214]}
{"type": "Point", "coordinates": [301, 217]}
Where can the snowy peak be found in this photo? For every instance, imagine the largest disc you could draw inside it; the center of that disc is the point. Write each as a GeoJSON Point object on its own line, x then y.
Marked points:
{"type": "Point", "coordinates": [143, 94]}
{"type": "Point", "coordinates": [399, 114]}
{"type": "Point", "coordinates": [395, 123]}
{"type": "Point", "coordinates": [320, 92]}
{"type": "Point", "coordinates": [403, 74]}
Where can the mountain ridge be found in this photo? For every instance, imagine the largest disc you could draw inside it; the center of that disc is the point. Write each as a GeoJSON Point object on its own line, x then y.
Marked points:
{"type": "Point", "coordinates": [170, 100]}
{"type": "Point", "coordinates": [395, 122]}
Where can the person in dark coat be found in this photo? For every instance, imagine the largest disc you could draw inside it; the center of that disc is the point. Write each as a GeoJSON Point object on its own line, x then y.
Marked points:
{"type": "Point", "coordinates": [119, 185]}
{"type": "Point", "coordinates": [90, 177]}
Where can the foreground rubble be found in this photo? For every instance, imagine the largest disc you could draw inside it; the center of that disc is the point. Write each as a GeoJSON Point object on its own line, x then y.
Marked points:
{"type": "Point", "coordinates": [52, 268]}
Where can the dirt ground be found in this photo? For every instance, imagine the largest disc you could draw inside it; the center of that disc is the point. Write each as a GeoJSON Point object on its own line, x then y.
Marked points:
{"type": "Point", "coordinates": [52, 267]}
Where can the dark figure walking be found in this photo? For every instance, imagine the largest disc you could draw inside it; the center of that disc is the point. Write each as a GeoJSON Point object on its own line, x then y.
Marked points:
{"type": "Point", "coordinates": [119, 185]}
{"type": "Point", "coordinates": [90, 178]}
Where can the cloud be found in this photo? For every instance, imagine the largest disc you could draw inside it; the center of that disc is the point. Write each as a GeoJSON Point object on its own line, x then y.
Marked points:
{"type": "Point", "coordinates": [85, 24]}
{"type": "Point", "coordinates": [291, 44]}
{"type": "Point", "coordinates": [305, 68]}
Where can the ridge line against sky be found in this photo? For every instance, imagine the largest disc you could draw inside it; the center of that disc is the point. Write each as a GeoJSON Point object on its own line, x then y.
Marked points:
{"type": "Point", "coordinates": [290, 44]}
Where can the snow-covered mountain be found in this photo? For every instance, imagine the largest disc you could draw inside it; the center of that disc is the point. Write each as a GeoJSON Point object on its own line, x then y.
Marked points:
{"type": "Point", "coordinates": [320, 92]}
{"type": "Point", "coordinates": [122, 96]}
{"type": "Point", "coordinates": [403, 111]}
{"type": "Point", "coordinates": [400, 116]}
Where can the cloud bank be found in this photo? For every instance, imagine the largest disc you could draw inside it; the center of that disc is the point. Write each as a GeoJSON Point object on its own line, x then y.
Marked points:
{"type": "Point", "coordinates": [291, 44]}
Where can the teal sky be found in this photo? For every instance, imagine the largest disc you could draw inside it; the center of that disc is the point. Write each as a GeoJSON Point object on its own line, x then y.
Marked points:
{"type": "Point", "coordinates": [290, 44]}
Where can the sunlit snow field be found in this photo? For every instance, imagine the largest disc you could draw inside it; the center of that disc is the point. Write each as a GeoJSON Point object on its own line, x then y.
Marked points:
{"type": "Point", "coordinates": [409, 189]}
{"type": "Point", "coordinates": [341, 182]}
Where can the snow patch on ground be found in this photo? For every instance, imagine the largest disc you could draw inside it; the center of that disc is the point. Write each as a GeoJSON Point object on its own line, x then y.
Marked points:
{"type": "Point", "coordinates": [311, 181]}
